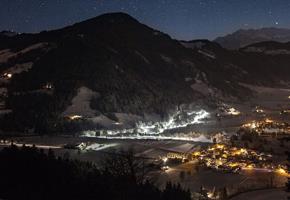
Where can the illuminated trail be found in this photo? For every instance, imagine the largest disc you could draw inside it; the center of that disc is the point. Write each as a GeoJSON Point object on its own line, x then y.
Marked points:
{"type": "Point", "coordinates": [33, 145]}
{"type": "Point", "coordinates": [201, 138]}
{"type": "Point", "coordinates": [172, 123]}
{"type": "Point", "coordinates": [153, 130]}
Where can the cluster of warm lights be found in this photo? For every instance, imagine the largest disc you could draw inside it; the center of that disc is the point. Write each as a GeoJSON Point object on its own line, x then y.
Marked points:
{"type": "Point", "coordinates": [260, 111]}
{"type": "Point", "coordinates": [233, 111]}
{"type": "Point", "coordinates": [48, 86]}
{"type": "Point", "coordinates": [75, 117]}
{"type": "Point", "coordinates": [282, 171]}
{"type": "Point", "coordinates": [8, 75]}
{"type": "Point", "coordinates": [222, 157]}
{"type": "Point", "coordinates": [267, 126]}
{"type": "Point", "coordinates": [174, 156]}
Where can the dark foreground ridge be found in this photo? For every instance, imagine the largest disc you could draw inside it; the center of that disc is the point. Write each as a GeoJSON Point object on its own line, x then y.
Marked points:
{"type": "Point", "coordinates": [29, 173]}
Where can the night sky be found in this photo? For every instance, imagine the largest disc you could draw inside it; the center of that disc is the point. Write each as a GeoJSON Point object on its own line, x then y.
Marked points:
{"type": "Point", "coordinates": [182, 19]}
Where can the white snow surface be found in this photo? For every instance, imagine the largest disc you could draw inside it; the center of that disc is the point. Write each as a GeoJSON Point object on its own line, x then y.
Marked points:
{"type": "Point", "coordinates": [6, 54]}
{"type": "Point", "coordinates": [98, 147]}
{"type": "Point", "coordinates": [19, 68]}
{"type": "Point", "coordinates": [124, 118]}
{"type": "Point", "coordinates": [207, 54]}
{"type": "Point", "coordinates": [267, 51]}
{"type": "Point", "coordinates": [183, 148]}
{"type": "Point", "coordinates": [202, 88]}
{"type": "Point", "coordinates": [142, 57]}
{"type": "Point", "coordinates": [166, 58]}
{"type": "Point", "coordinates": [81, 103]}
{"type": "Point", "coordinates": [193, 45]}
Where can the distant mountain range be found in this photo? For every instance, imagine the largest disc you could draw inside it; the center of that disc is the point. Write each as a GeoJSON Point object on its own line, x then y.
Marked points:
{"type": "Point", "coordinates": [111, 69]}
{"type": "Point", "coordinates": [242, 38]}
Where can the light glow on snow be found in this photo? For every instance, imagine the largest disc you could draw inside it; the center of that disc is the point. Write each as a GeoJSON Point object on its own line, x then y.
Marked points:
{"type": "Point", "coordinates": [153, 130]}
{"type": "Point", "coordinates": [98, 147]}
{"type": "Point", "coordinates": [201, 138]}
{"type": "Point", "coordinates": [174, 121]}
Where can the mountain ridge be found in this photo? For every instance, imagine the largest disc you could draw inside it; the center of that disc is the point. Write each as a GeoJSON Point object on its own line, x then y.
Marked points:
{"type": "Point", "coordinates": [244, 37]}
{"type": "Point", "coordinates": [122, 66]}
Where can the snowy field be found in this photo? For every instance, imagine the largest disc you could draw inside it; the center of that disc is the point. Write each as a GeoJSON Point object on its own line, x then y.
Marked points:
{"type": "Point", "coordinates": [152, 150]}
{"type": "Point", "coordinates": [271, 100]}
{"type": "Point", "coordinates": [274, 194]}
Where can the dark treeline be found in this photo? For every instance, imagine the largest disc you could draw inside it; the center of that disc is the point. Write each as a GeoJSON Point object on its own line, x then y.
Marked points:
{"type": "Point", "coordinates": [30, 173]}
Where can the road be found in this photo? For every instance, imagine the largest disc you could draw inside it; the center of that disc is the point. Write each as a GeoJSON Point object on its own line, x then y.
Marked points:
{"type": "Point", "coordinates": [30, 145]}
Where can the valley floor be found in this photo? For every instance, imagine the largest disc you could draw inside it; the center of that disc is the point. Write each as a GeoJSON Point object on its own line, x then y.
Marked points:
{"type": "Point", "coordinates": [271, 100]}
{"type": "Point", "coordinates": [269, 194]}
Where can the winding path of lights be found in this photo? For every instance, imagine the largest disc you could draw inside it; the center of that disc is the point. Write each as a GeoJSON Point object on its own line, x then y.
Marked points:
{"type": "Point", "coordinates": [152, 130]}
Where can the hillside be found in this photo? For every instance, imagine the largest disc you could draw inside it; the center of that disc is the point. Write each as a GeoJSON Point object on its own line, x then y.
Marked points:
{"type": "Point", "coordinates": [264, 63]}
{"type": "Point", "coordinates": [111, 70]}
{"type": "Point", "coordinates": [242, 38]}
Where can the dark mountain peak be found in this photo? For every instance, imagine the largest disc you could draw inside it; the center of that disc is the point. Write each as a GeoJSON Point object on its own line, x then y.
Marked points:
{"type": "Point", "coordinates": [111, 24]}
{"type": "Point", "coordinates": [245, 37]}
{"type": "Point", "coordinates": [110, 18]}
{"type": "Point", "coordinates": [115, 16]}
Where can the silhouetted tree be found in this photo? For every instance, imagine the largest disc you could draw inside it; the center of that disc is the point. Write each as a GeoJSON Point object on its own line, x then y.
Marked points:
{"type": "Point", "coordinates": [224, 194]}
{"type": "Point", "coordinates": [29, 173]}
{"type": "Point", "coordinates": [125, 164]}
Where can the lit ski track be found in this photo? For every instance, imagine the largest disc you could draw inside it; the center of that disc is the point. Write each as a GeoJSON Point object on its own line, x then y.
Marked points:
{"type": "Point", "coordinates": [152, 130]}
{"type": "Point", "coordinates": [172, 123]}
{"type": "Point", "coordinates": [201, 138]}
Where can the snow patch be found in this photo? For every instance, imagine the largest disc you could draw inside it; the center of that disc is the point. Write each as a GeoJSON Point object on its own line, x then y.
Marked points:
{"type": "Point", "coordinates": [201, 85]}
{"type": "Point", "coordinates": [143, 57]}
{"type": "Point", "coordinates": [7, 54]}
{"type": "Point", "coordinates": [126, 119]}
{"type": "Point", "coordinates": [19, 68]}
{"type": "Point", "coordinates": [112, 50]}
{"type": "Point", "coordinates": [81, 103]}
{"type": "Point", "coordinates": [188, 79]}
{"type": "Point", "coordinates": [207, 54]}
{"type": "Point", "coordinates": [98, 147]}
{"type": "Point", "coordinates": [188, 63]}
{"type": "Point", "coordinates": [166, 58]}
{"type": "Point", "coordinates": [187, 147]}
{"type": "Point", "coordinates": [193, 45]}
{"type": "Point", "coordinates": [268, 52]}
{"type": "Point", "coordinates": [202, 88]}
{"type": "Point", "coordinates": [157, 33]}
{"type": "Point", "coordinates": [103, 121]}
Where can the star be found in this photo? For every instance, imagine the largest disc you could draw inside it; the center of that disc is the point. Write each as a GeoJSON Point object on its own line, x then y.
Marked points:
{"type": "Point", "coordinates": [183, 19]}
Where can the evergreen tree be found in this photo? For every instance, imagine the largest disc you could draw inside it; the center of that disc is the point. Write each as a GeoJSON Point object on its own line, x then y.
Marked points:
{"type": "Point", "coordinates": [29, 173]}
